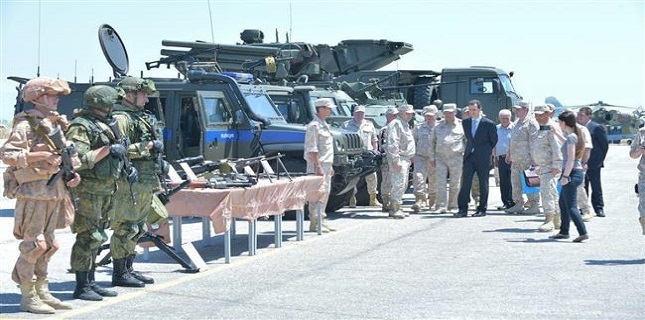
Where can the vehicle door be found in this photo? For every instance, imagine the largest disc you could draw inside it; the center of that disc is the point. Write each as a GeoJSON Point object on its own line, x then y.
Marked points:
{"type": "Point", "coordinates": [220, 136]}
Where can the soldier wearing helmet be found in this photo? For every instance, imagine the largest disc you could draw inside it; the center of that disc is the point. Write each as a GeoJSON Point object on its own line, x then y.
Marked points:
{"type": "Point", "coordinates": [33, 159]}
{"type": "Point", "coordinates": [129, 221]}
{"type": "Point", "coordinates": [101, 168]}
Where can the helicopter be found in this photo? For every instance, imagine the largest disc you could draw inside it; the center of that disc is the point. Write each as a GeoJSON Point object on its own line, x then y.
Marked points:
{"type": "Point", "coordinates": [621, 122]}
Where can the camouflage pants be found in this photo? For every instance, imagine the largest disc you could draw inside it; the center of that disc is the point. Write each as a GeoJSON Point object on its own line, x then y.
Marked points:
{"type": "Point", "coordinates": [584, 203]}
{"type": "Point", "coordinates": [549, 192]}
{"type": "Point", "coordinates": [90, 222]}
{"type": "Point", "coordinates": [517, 169]}
{"type": "Point", "coordinates": [386, 183]}
{"type": "Point", "coordinates": [34, 223]}
{"type": "Point", "coordinates": [454, 167]}
{"type": "Point", "coordinates": [641, 194]}
{"type": "Point", "coordinates": [423, 172]}
{"type": "Point", "coordinates": [325, 187]}
{"type": "Point", "coordinates": [399, 179]}
{"type": "Point", "coordinates": [127, 220]}
{"type": "Point", "coordinates": [372, 182]}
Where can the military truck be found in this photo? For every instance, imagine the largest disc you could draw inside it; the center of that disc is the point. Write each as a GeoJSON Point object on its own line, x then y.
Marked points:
{"type": "Point", "coordinates": [223, 116]}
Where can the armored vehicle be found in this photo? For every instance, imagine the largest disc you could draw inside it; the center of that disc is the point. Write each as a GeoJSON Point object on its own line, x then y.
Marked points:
{"type": "Point", "coordinates": [225, 116]}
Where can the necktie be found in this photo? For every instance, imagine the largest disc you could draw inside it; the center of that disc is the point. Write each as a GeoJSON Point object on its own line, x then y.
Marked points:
{"type": "Point", "coordinates": [474, 126]}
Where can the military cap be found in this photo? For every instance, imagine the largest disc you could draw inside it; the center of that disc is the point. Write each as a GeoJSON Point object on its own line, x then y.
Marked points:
{"type": "Point", "coordinates": [449, 107]}
{"type": "Point", "coordinates": [406, 108]}
{"type": "Point", "coordinates": [540, 109]}
{"type": "Point", "coordinates": [521, 104]}
{"type": "Point", "coordinates": [359, 108]}
{"type": "Point", "coordinates": [324, 102]}
{"type": "Point", "coordinates": [431, 110]}
{"type": "Point", "coordinates": [391, 111]}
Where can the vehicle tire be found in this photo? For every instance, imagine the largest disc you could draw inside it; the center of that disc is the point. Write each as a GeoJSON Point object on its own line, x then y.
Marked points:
{"type": "Point", "coordinates": [422, 96]}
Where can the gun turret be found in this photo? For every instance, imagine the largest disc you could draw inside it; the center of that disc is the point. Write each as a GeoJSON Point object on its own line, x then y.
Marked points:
{"type": "Point", "coordinates": [284, 61]}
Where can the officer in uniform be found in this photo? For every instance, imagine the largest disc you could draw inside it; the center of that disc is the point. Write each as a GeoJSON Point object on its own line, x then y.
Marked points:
{"type": "Point", "coordinates": [367, 132]}
{"type": "Point", "coordinates": [519, 157]}
{"type": "Point", "coordinates": [637, 150]}
{"type": "Point", "coordinates": [129, 221]}
{"type": "Point", "coordinates": [319, 154]}
{"type": "Point", "coordinates": [425, 193]}
{"type": "Point", "coordinates": [101, 167]}
{"type": "Point", "coordinates": [399, 151]}
{"type": "Point", "coordinates": [447, 156]}
{"type": "Point", "coordinates": [545, 153]}
{"type": "Point", "coordinates": [32, 160]}
{"type": "Point", "coordinates": [386, 184]}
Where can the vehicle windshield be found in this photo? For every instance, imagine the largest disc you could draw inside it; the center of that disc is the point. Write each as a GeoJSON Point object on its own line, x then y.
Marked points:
{"type": "Point", "coordinates": [262, 106]}
{"type": "Point", "coordinates": [344, 102]}
{"type": "Point", "coordinates": [506, 83]}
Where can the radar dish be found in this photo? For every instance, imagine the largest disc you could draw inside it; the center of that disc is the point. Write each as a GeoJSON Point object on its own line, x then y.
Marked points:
{"type": "Point", "coordinates": [114, 50]}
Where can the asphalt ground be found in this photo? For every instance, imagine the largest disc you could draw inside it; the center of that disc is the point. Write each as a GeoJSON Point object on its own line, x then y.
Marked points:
{"type": "Point", "coordinates": [423, 267]}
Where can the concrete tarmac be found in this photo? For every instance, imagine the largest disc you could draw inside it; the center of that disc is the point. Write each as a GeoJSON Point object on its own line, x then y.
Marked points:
{"type": "Point", "coordinates": [423, 267]}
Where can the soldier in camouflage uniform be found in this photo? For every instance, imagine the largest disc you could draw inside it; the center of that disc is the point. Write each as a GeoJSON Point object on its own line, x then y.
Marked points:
{"type": "Point", "coordinates": [545, 153]}
{"type": "Point", "coordinates": [40, 208]}
{"type": "Point", "coordinates": [319, 154]}
{"type": "Point", "coordinates": [425, 193]}
{"type": "Point", "coordinates": [637, 150]}
{"type": "Point", "coordinates": [367, 132]}
{"type": "Point", "coordinates": [101, 166]}
{"type": "Point", "coordinates": [519, 157]}
{"type": "Point", "coordinates": [386, 184]}
{"type": "Point", "coordinates": [447, 156]}
{"type": "Point", "coordinates": [129, 221]}
{"type": "Point", "coordinates": [399, 151]}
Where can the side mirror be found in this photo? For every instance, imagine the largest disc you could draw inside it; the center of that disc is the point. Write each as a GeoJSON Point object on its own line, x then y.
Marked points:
{"type": "Point", "coordinates": [239, 117]}
{"type": "Point", "coordinates": [293, 110]}
{"type": "Point", "coordinates": [497, 86]}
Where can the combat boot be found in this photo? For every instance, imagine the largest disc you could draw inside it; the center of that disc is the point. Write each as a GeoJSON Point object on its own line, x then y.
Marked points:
{"type": "Point", "coordinates": [395, 211]}
{"type": "Point", "coordinates": [420, 201]}
{"type": "Point", "coordinates": [138, 275]}
{"type": "Point", "coordinates": [557, 221]}
{"type": "Point", "coordinates": [548, 223]}
{"type": "Point", "coordinates": [326, 227]}
{"type": "Point", "coordinates": [352, 202]}
{"type": "Point", "coordinates": [386, 202]}
{"type": "Point", "coordinates": [122, 278]}
{"type": "Point", "coordinates": [30, 302]}
{"type": "Point", "coordinates": [517, 208]}
{"type": "Point", "coordinates": [83, 290]}
{"type": "Point", "coordinates": [373, 201]}
{"type": "Point", "coordinates": [42, 288]}
{"type": "Point", "coordinates": [431, 201]}
{"type": "Point", "coordinates": [642, 220]}
{"type": "Point", "coordinates": [98, 289]}
{"type": "Point", "coordinates": [586, 216]}
{"type": "Point", "coordinates": [533, 209]}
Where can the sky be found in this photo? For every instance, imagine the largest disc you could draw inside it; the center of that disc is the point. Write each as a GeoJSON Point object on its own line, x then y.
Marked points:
{"type": "Point", "coordinates": [580, 51]}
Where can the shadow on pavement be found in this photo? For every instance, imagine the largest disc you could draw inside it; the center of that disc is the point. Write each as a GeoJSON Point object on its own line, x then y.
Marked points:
{"type": "Point", "coordinates": [614, 262]}
{"type": "Point", "coordinates": [512, 230]}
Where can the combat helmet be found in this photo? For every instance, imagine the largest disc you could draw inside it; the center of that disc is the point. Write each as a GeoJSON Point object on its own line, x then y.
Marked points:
{"type": "Point", "coordinates": [38, 87]}
{"type": "Point", "coordinates": [101, 97]}
{"type": "Point", "coordinates": [134, 84]}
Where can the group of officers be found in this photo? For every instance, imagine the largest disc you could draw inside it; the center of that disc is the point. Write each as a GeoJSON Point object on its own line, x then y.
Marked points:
{"type": "Point", "coordinates": [443, 180]}
{"type": "Point", "coordinates": [113, 147]}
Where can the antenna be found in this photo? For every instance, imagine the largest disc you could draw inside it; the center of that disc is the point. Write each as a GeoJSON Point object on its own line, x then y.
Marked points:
{"type": "Point", "coordinates": [290, 22]}
{"type": "Point", "coordinates": [210, 16]}
{"type": "Point", "coordinates": [75, 68]}
{"type": "Point", "coordinates": [38, 70]}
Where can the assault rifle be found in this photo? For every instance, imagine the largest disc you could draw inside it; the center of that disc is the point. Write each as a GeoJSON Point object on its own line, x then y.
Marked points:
{"type": "Point", "coordinates": [66, 169]}
{"type": "Point", "coordinates": [127, 164]}
{"type": "Point", "coordinates": [65, 152]}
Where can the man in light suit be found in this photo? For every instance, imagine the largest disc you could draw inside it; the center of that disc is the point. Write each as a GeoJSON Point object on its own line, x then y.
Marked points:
{"type": "Point", "coordinates": [481, 138]}
{"type": "Point", "coordinates": [596, 158]}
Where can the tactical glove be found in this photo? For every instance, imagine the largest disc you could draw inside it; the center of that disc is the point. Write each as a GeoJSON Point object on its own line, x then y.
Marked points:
{"type": "Point", "coordinates": [157, 146]}
{"type": "Point", "coordinates": [117, 150]}
{"type": "Point", "coordinates": [133, 175]}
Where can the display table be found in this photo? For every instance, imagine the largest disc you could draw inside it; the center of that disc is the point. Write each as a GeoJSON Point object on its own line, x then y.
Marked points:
{"type": "Point", "coordinates": [223, 206]}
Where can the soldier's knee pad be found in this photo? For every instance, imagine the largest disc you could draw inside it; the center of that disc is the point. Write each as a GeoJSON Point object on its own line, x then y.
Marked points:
{"type": "Point", "coordinates": [32, 249]}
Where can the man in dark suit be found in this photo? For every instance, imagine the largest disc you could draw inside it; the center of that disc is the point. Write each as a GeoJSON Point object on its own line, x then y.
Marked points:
{"type": "Point", "coordinates": [596, 158]}
{"type": "Point", "coordinates": [481, 138]}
